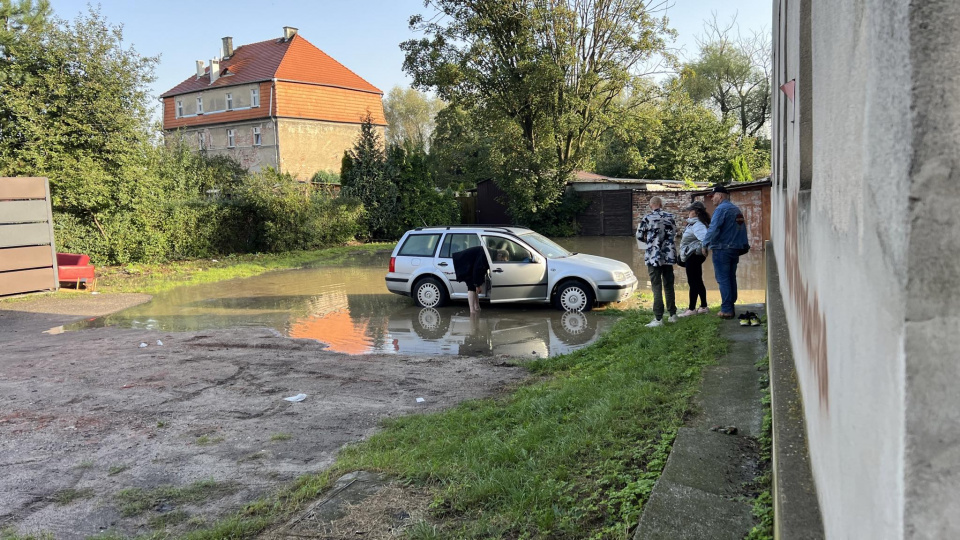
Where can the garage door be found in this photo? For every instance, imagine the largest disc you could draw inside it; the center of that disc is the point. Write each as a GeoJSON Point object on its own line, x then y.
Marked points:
{"type": "Point", "coordinates": [610, 213]}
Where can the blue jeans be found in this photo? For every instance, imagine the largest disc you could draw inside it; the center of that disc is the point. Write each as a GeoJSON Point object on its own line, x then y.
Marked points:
{"type": "Point", "coordinates": [725, 269]}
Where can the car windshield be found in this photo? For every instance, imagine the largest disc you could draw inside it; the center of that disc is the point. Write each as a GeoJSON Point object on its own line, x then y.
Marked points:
{"type": "Point", "coordinates": [545, 246]}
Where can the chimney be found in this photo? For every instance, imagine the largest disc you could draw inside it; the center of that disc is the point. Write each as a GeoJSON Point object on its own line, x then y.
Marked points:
{"type": "Point", "coordinates": [289, 32]}
{"type": "Point", "coordinates": [199, 68]}
{"type": "Point", "coordinates": [214, 70]}
{"type": "Point", "coordinates": [227, 47]}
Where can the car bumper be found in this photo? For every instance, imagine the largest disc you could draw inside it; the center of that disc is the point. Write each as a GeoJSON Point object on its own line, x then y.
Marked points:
{"type": "Point", "coordinates": [398, 285]}
{"type": "Point", "coordinates": [616, 292]}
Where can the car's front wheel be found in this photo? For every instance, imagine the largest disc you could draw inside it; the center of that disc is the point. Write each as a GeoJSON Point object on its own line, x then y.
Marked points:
{"type": "Point", "coordinates": [430, 292]}
{"type": "Point", "coordinates": [574, 296]}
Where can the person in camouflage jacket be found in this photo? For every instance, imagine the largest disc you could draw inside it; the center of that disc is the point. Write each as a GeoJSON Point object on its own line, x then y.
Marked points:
{"type": "Point", "coordinates": [658, 230]}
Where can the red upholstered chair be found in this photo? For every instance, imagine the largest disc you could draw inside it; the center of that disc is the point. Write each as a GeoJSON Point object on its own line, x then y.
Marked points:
{"type": "Point", "coordinates": [77, 268]}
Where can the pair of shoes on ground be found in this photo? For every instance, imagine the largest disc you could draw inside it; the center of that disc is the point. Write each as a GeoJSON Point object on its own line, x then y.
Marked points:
{"type": "Point", "coordinates": [749, 319]}
{"type": "Point", "coordinates": [691, 312]}
{"type": "Point", "coordinates": [657, 322]}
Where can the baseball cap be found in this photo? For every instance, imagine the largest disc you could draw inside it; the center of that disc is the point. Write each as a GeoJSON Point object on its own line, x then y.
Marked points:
{"type": "Point", "coordinates": [718, 188]}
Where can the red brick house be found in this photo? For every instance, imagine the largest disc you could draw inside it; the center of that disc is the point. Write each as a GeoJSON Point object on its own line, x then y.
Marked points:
{"type": "Point", "coordinates": [280, 103]}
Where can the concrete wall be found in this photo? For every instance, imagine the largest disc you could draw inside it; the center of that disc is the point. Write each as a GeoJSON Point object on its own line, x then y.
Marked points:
{"type": "Point", "coordinates": [865, 231]}
{"type": "Point", "coordinates": [308, 146]}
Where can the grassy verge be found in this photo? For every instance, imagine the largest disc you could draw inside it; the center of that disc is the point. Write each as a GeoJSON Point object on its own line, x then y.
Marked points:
{"type": "Point", "coordinates": [155, 278]}
{"type": "Point", "coordinates": [572, 455]}
{"type": "Point", "coordinates": [763, 503]}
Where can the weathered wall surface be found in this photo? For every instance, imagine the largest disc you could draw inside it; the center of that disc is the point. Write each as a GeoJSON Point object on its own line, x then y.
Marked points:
{"type": "Point", "coordinates": [751, 202]}
{"type": "Point", "coordinates": [308, 146]}
{"type": "Point", "coordinates": [932, 341]}
{"type": "Point", "coordinates": [251, 156]}
{"type": "Point", "coordinates": [866, 236]}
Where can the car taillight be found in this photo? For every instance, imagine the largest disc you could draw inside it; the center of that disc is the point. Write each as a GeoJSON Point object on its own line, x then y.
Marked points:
{"type": "Point", "coordinates": [393, 264]}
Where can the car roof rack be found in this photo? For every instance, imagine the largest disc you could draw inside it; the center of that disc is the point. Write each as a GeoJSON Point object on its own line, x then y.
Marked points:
{"type": "Point", "coordinates": [486, 227]}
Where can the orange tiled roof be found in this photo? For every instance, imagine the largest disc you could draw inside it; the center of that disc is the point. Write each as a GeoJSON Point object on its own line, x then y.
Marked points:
{"type": "Point", "coordinates": [295, 60]}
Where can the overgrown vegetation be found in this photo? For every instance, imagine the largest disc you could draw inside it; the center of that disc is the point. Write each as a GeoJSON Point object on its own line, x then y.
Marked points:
{"type": "Point", "coordinates": [135, 501]}
{"type": "Point", "coordinates": [763, 503]}
{"type": "Point", "coordinates": [572, 456]}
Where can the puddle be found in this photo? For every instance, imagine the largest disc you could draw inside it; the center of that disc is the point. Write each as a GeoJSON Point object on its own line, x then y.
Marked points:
{"type": "Point", "coordinates": [347, 307]}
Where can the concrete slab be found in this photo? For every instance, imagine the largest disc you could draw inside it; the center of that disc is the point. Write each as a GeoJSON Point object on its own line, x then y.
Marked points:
{"type": "Point", "coordinates": [711, 461]}
{"type": "Point", "coordinates": [730, 397]}
{"type": "Point", "coordinates": [679, 512]}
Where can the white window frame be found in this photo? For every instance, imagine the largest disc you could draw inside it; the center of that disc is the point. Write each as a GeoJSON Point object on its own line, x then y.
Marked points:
{"type": "Point", "coordinates": [200, 142]}
{"type": "Point", "coordinates": [254, 97]}
{"type": "Point", "coordinates": [231, 139]}
{"type": "Point", "coordinates": [257, 139]}
{"type": "Point", "coordinates": [199, 104]}
{"type": "Point", "coordinates": [179, 108]}
{"type": "Point", "coordinates": [229, 101]}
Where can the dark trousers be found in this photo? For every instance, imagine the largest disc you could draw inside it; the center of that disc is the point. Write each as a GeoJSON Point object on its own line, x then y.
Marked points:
{"type": "Point", "coordinates": [725, 269]}
{"type": "Point", "coordinates": [661, 281]}
{"type": "Point", "coordinates": [694, 270]}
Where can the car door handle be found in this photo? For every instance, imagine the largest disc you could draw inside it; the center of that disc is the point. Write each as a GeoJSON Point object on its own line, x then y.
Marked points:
{"type": "Point", "coordinates": [497, 270]}
{"type": "Point", "coordinates": [443, 264]}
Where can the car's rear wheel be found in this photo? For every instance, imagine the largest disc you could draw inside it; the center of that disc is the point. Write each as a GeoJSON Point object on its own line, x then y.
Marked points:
{"type": "Point", "coordinates": [430, 292]}
{"type": "Point", "coordinates": [574, 296]}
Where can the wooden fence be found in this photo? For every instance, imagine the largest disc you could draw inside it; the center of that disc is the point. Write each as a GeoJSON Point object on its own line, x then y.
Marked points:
{"type": "Point", "coordinates": [28, 257]}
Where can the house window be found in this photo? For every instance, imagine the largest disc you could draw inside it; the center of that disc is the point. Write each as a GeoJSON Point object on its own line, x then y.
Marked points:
{"type": "Point", "coordinates": [179, 108]}
{"type": "Point", "coordinates": [199, 105]}
{"type": "Point", "coordinates": [230, 138]}
{"type": "Point", "coordinates": [256, 137]}
{"type": "Point", "coordinates": [200, 143]}
{"type": "Point", "coordinates": [229, 101]}
{"type": "Point", "coordinates": [254, 98]}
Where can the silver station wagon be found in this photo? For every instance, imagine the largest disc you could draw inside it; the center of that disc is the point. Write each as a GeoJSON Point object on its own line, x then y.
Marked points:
{"type": "Point", "coordinates": [524, 267]}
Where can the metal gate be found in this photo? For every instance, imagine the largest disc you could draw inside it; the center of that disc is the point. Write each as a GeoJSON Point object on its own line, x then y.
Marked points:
{"type": "Point", "coordinates": [610, 213]}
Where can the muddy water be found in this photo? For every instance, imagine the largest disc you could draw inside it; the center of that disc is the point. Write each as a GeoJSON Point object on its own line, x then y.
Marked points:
{"type": "Point", "coordinates": [348, 307]}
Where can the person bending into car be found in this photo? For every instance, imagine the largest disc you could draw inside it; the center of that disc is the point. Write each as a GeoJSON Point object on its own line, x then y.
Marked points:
{"type": "Point", "coordinates": [470, 267]}
{"type": "Point", "coordinates": [727, 239]}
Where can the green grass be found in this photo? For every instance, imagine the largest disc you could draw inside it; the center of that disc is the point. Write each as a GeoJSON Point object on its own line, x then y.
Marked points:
{"type": "Point", "coordinates": [117, 469]}
{"type": "Point", "coordinates": [168, 519]}
{"type": "Point", "coordinates": [572, 456]}
{"type": "Point", "coordinates": [206, 440]}
{"type": "Point", "coordinates": [155, 278]}
{"type": "Point", "coordinates": [11, 533]}
{"type": "Point", "coordinates": [281, 437]}
{"type": "Point", "coordinates": [135, 501]}
{"type": "Point", "coordinates": [763, 503]}
{"type": "Point", "coordinates": [69, 495]}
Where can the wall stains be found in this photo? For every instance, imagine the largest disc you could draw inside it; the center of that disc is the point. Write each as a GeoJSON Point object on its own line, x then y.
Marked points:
{"type": "Point", "coordinates": [812, 321]}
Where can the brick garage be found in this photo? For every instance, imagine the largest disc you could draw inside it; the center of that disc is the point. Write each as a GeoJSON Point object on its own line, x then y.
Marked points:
{"type": "Point", "coordinates": [753, 199]}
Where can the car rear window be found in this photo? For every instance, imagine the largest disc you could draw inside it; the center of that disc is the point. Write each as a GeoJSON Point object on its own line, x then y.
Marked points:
{"type": "Point", "coordinates": [419, 245]}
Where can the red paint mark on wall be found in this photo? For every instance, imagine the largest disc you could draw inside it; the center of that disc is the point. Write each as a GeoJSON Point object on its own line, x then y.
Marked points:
{"type": "Point", "coordinates": [813, 323]}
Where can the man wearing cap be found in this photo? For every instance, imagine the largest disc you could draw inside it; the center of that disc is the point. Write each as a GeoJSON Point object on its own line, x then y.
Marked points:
{"type": "Point", "coordinates": [727, 239]}
{"type": "Point", "coordinates": [658, 230]}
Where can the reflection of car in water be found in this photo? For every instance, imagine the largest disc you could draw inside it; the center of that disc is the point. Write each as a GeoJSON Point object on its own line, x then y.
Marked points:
{"type": "Point", "coordinates": [514, 333]}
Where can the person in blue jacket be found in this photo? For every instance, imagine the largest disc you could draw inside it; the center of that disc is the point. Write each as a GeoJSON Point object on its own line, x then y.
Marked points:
{"type": "Point", "coordinates": [727, 239]}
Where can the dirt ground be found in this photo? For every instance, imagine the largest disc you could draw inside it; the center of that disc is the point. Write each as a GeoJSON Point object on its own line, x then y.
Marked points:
{"type": "Point", "coordinates": [86, 415]}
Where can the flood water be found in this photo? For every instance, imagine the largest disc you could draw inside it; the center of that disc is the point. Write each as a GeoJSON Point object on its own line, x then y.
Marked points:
{"type": "Point", "coordinates": [348, 307]}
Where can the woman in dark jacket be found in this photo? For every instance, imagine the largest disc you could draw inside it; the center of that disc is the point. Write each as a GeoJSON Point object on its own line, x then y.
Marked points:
{"type": "Point", "coordinates": [470, 266]}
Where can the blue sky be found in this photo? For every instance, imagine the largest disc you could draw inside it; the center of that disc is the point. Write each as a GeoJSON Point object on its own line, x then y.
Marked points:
{"type": "Point", "coordinates": [364, 35]}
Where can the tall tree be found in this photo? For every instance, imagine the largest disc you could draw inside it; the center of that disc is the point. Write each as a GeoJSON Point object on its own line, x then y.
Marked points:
{"type": "Point", "coordinates": [542, 75]}
{"type": "Point", "coordinates": [410, 116]}
{"type": "Point", "coordinates": [732, 75]}
{"type": "Point", "coordinates": [363, 176]}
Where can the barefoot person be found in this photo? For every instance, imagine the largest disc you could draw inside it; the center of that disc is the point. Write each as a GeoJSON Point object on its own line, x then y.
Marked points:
{"type": "Point", "coordinates": [658, 230]}
{"type": "Point", "coordinates": [470, 266]}
{"type": "Point", "coordinates": [692, 255]}
{"type": "Point", "coordinates": [727, 239]}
